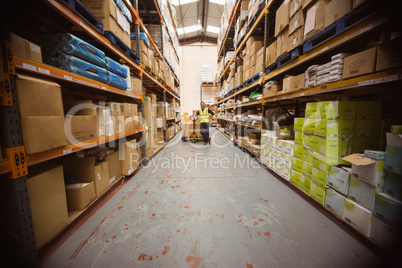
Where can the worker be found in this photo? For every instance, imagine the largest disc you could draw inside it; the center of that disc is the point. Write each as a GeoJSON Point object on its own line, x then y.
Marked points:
{"type": "Point", "coordinates": [206, 114]}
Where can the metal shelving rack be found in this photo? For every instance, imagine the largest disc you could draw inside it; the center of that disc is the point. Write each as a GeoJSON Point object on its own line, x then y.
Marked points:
{"type": "Point", "coordinates": [19, 233]}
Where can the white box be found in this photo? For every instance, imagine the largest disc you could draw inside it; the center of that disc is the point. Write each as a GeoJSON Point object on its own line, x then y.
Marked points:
{"type": "Point", "coordinates": [159, 122]}
{"type": "Point", "coordinates": [338, 179]}
{"type": "Point", "coordinates": [287, 147]}
{"type": "Point", "coordinates": [384, 235]}
{"type": "Point", "coordinates": [366, 169]}
{"type": "Point", "coordinates": [361, 193]}
{"type": "Point", "coordinates": [358, 217]}
{"type": "Point", "coordinates": [334, 201]}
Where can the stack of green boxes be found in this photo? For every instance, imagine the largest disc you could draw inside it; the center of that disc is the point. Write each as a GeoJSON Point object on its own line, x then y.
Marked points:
{"type": "Point", "coordinates": [329, 131]}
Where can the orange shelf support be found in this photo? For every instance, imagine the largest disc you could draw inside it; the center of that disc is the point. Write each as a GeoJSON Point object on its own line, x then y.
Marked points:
{"type": "Point", "coordinates": [58, 152]}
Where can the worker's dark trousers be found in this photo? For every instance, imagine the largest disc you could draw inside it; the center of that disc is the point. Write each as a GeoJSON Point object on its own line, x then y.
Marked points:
{"type": "Point", "coordinates": [205, 131]}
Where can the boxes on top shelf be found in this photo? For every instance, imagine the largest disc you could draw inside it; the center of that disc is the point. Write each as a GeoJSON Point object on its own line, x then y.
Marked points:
{"type": "Point", "coordinates": [282, 18]}
{"type": "Point", "coordinates": [360, 63]}
{"type": "Point", "coordinates": [315, 19]}
{"type": "Point", "coordinates": [336, 9]}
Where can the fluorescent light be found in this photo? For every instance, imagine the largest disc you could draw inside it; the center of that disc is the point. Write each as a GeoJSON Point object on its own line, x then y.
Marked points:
{"type": "Point", "coordinates": [219, 2]}
{"type": "Point", "coordinates": [213, 29]}
{"type": "Point", "coordinates": [182, 2]}
{"type": "Point", "coordinates": [189, 29]}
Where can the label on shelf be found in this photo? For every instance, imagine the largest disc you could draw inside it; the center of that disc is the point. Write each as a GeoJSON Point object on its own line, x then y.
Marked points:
{"type": "Point", "coordinates": [29, 67]}
{"type": "Point", "coordinates": [69, 78]}
{"type": "Point", "coordinates": [68, 151]}
{"type": "Point", "coordinates": [84, 26]}
{"type": "Point", "coordinates": [391, 78]}
{"type": "Point", "coordinates": [44, 71]}
{"type": "Point", "coordinates": [367, 28]}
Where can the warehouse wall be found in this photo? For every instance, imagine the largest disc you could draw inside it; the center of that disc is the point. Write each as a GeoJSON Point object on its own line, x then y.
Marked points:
{"type": "Point", "coordinates": [191, 58]}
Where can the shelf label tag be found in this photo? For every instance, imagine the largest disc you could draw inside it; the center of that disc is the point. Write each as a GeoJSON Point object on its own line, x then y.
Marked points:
{"type": "Point", "coordinates": [364, 83]}
{"type": "Point", "coordinates": [68, 151]}
{"type": "Point", "coordinates": [365, 29]}
{"type": "Point", "coordinates": [44, 71]}
{"type": "Point", "coordinates": [29, 67]}
{"type": "Point", "coordinates": [391, 78]}
{"type": "Point", "coordinates": [69, 78]}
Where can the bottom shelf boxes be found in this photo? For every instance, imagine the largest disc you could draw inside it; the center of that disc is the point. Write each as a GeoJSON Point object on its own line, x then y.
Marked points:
{"type": "Point", "coordinates": [80, 195]}
{"type": "Point", "coordinates": [358, 217]}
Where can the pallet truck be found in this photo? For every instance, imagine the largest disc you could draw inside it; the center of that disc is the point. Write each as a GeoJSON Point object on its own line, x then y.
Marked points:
{"type": "Point", "coordinates": [193, 135]}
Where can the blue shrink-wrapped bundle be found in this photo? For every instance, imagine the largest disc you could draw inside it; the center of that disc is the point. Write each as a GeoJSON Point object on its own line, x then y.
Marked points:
{"type": "Point", "coordinates": [116, 81]}
{"type": "Point", "coordinates": [80, 67]}
{"type": "Point", "coordinates": [143, 36]}
{"type": "Point", "coordinates": [124, 9]}
{"type": "Point", "coordinates": [115, 67]}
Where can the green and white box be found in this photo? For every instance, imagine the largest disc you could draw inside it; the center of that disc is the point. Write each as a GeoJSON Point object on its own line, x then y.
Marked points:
{"type": "Point", "coordinates": [311, 110]}
{"type": "Point", "coordinates": [384, 234]}
{"type": "Point", "coordinates": [338, 179]}
{"type": "Point", "coordinates": [298, 124]}
{"type": "Point", "coordinates": [341, 110]}
{"type": "Point", "coordinates": [317, 193]}
{"type": "Point", "coordinates": [376, 155]}
{"type": "Point", "coordinates": [334, 201]}
{"type": "Point", "coordinates": [358, 217]}
{"type": "Point", "coordinates": [334, 146]}
{"type": "Point", "coordinates": [295, 178]}
{"type": "Point", "coordinates": [361, 193]}
{"type": "Point", "coordinates": [388, 209]}
{"type": "Point", "coordinates": [341, 128]}
{"type": "Point", "coordinates": [319, 177]}
{"type": "Point", "coordinates": [287, 147]}
{"type": "Point", "coordinates": [307, 170]}
{"type": "Point", "coordinates": [297, 164]}
{"type": "Point", "coordinates": [305, 184]}
{"type": "Point", "coordinates": [367, 170]}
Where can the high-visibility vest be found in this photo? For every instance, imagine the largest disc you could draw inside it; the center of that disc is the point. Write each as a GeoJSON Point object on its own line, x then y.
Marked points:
{"type": "Point", "coordinates": [204, 115]}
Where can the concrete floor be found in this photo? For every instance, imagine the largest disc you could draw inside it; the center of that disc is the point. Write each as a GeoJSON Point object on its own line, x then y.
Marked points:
{"type": "Point", "coordinates": [236, 215]}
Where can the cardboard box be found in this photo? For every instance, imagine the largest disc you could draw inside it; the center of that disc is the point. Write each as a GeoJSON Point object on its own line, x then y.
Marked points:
{"type": "Point", "coordinates": [83, 128]}
{"type": "Point", "coordinates": [388, 209]}
{"type": "Point", "coordinates": [322, 108]}
{"type": "Point", "coordinates": [295, 178]}
{"type": "Point", "coordinates": [298, 151]}
{"type": "Point", "coordinates": [334, 201]}
{"type": "Point", "coordinates": [25, 49]}
{"type": "Point", "coordinates": [294, 6]}
{"type": "Point", "coordinates": [307, 170]}
{"type": "Point", "coordinates": [296, 39]}
{"type": "Point", "coordinates": [305, 184]}
{"type": "Point", "coordinates": [281, 18]}
{"type": "Point", "coordinates": [361, 193]}
{"type": "Point", "coordinates": [136, 85]}
{"type": "Point", "coordinates": [341, 110]}
{"type": "Point", "coordinates": [311, 110]}
{"type": "Point", "coordinates": [132, 153]}
{"type": "Point", "coordinates": [336, 9]}
{"type": "Point", "coordinates": [42, 133]}
{"type": "Point", "coordinates": [297, 164]}
{"type": "Point", "coordinates": [299, 137]}
{"type": "Point", "coordinates": [130, 109]}
{"type": "Point", "coordinates": [367, 128]}
{"type": "Point", "coordinates": [287, 83]}
{"type": "Point", "coordinates": [317, 163]}
{"type": "Point", "coordinates": [31, 93]}
{"type": "Point", "coordinates": [340, 128]}
{"type": "Point", "coordinates": [47, 197]}
{"type": "Point", "coordinates": [297, 82]}
{"type": "Point", "coordinates": [393, 153]}
{"type": "Point", "coordinates": [112, 18]}
{"type": "Point", "coordinates": [315, 19]}
{"type": "Point", "coordinates": [319, 177]}
{"type": "Point", "coordinates": [367, 170]}
{"type": "Point", "coordinates": [369, 109]}
{"type": "Point", "coordinates": [384, 234]}
{"type": "Point", "coordinates": [317, 193]}
{"type": "Point", "coordinates": [358, 217]}
{"type": "Point", "coordinates": [80, 195]}
{"type": "Point", "coordinates": [360, 63]}
{"type": "Point", "coordinates": [114, 166]}
{"type": "Point", "coordinates": [297, 21]}
{"type": "Point", "coordinates": [270, 54]}
{"type": "Point", "coordinates": [357, 3]}
{"type": "Point", "coordinates": [282, 43]}
{"type": "Point", "coordinates": [389, 56]}
{"type": "Point", "coordinates": [338, 179]}
{"type": "Point", "coordinates": [252, 60]}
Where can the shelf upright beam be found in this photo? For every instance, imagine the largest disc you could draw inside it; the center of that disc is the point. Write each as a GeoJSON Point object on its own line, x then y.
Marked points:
{"type": "Point", "coordinates": [16, 229]}
{"type": "Point", "coordinates": [137, 33]}
{"type": "Point", "coordinates": [266, 36]}
{"type": "Point", "coordinates": [164, 111]}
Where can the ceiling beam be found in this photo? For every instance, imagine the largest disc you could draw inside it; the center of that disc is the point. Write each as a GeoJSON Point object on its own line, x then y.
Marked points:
{"type": "Point", "coordinates": [196, 39]}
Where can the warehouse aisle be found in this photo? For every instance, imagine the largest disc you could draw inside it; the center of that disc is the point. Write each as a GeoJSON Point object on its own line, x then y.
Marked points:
{"type": "Point", "coordinates": [229, 213]}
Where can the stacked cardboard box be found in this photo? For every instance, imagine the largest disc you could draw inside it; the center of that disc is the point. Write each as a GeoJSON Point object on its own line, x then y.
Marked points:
{"type": "Point", "coordinates": [277, 154]}
{"type": "Point", "coordinates": [336, 71]}
{"type": "Point", "coordinates": [130, 156]}
{"type": "Point", "coordinates": [112, 18]}
{"type": "Point", "coordinates": [131, 120]}
{"type": "Point", "coordinates": [311, 76]}
{"type": "Point", "coordinates": [252, 51]}
{"type": "Point", "coordinates": [388, 204]}
{"type": "Point", "coordinates": [323, 72]}
{"type": "Point", "coordinates": [314, 18]}
{"type": "Point", "coordinates": [25, 49]}
{"type": "Point", "coordinates": [42, 123]}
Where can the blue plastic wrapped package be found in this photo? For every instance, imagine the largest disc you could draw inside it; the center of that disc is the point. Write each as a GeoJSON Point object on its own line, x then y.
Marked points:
{"type": "Point", "coordinates": [116, 67]}
{"type": "Point", "coordinates": [124, 9]}
{"type": "Point", "coordinates": [143, 36]}
{"type": "Point", "coordinates": [78, 66]}
{"type": "Point", "coordinates": [117, 81]}
{"type": "Point", "coordinates": [72, 45]}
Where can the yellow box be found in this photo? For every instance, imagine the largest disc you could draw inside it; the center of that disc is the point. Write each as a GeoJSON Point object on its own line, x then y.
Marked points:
{"type": "Point", "coordinates": [308, 155]}
{"type": "Point", "coordinates": [317, 163]}
{"type": "Point", "coordinates": [317, 193]}
{"type": "Point", "coordinates": [322, 107]}
{"type": "Point", "coordinates": [365, 143]}
{"type": "Point", "coordinates": [311, 110]}
{"type": "Point", "coordinates": [297, 164]}
{"type": "Point", "coordinates": [310, 141]}
{"type": "Point", "coordinates": [319, 177]}
{"type": "Point", "coordinates": [367, 128]}
{"type": "Point", "coordinates": [309, 125]}
{"type": "Point", "coordinates": [341, 110]}
{"type": "Point", "coordinates": [305, 184]}
{"type": "Point", "coordinates": [298, 137]}
{"type": "Point", "coordinates": [307, 170]}
{"type": "Point", "coordinates": [298, 151]}
{"type": "Point", "coordinates": [334, 146]}
{"type": "Point", "coordinates": [298, 124]}
{"type": "Point", "coordinates": [369, 109]}
{"type": "Point", "coordinates": [295, 178]}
